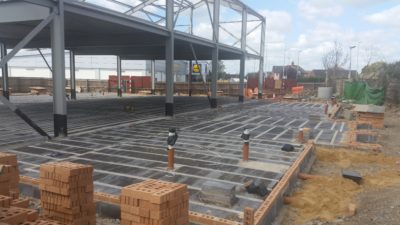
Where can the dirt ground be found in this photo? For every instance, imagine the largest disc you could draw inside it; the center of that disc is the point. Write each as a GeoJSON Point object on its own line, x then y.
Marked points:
{"type": "Point", "coordinates": [325, 200]}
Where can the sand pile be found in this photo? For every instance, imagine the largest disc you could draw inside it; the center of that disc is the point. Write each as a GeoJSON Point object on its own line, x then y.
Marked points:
{"type": "Point", "coordinates": [326, 198]}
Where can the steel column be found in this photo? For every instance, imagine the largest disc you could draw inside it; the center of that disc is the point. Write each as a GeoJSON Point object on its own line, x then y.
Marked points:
{"type": "Point", "coordinates": [215, 54]}
{"type": "Point", "coordinates": [241, 77]}
{"type": "Point", "coordinates": [215, 68]}
{"type": "Point", "coordinates": [262, 54]}
{"type": "Point", "coordinates": [153, 77]}
{"type": "Point", "coordinates": [72, 73]}
{"type": "Point", "coordinates": [191, 20]}
{"type": "Point", "coordinates": [190, 76]}
{"type": "Point", "coordinates": [58, 61]}
{"type": "Point", "coordinates": [119, 75]}
{"type": "Point", "coordinates": [169, 59]}
{"type": "Point", "coordinates": [243, 57]}
{"type": "Point", "coordinates": [6, 92]}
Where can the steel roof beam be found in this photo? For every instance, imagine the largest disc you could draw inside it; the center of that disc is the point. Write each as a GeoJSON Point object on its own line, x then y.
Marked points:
{"type": "Point", "coordinates": [46, 3]}
{"type": "Point", "coordinates": [115, 17]}
{"type": "Point", "coordinates": [140, 6]}
{"type": "Point", "coordinates": [28, 38]}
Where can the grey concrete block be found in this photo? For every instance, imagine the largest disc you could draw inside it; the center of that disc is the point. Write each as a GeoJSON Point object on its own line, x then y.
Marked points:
{"type": "Point", "coordinates": [218, 193]}
{"type": "Point", "coordinates": [352, 175]}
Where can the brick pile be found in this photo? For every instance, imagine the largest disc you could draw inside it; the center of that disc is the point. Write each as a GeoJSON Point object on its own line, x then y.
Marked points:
{"type": "Point", "coordinates": [13, 215]}
{"type": "Point", "coordinates": [6, 174]}
{"type": "Point", "coordinates": [5, 201]}
{"type": "Point", "coordinates": [67, 193]}
{"type": "Point", "coordinates": [155, 202]}
{"type": "Point", "coordinates": [14, 210]}
{"type": "Point", "coordinates": [9, 159]}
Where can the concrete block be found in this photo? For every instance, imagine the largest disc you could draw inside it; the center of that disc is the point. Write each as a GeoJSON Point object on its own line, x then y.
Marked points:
{"type": "Point", "coordinates": [218, 193]}
{"type": "Point", "coordinates": [352, 175]}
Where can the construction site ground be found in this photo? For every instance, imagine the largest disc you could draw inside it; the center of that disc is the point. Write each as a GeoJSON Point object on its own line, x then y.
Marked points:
{"type": "Point", "coordinates": [125, 140]}
{"type": "Point", "coordinates": [325, 200]}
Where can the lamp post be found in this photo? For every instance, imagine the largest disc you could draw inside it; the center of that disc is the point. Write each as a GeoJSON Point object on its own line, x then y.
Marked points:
{"type": "Point", "coordinates": [351, 48]}
{"type": "Point", "coordinates": [298, 64]}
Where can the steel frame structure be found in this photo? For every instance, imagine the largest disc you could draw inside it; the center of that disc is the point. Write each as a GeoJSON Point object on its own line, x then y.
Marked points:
{"type": "Point", "coordinates": [158, 17]}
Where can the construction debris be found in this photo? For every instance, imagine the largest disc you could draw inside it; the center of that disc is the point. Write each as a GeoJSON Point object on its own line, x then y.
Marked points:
{"type": "Point", "coordinates": [287, 148]}
{"type": "Point", "coordinates": [258, 188]}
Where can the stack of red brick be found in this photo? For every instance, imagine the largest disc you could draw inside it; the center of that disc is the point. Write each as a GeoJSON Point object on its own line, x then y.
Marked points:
{"type": "Point", "coordinates": [67, 193]}
{"type": "Point", "coordinates": [13, 210]}
{"type": "Point", "coordinates": [10, 160]}
{"type": "Point", "coordinates": [155, 202]}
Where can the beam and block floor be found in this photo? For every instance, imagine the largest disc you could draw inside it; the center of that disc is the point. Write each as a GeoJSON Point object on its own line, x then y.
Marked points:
{"type": "Point", "coordinates": [127, 147]}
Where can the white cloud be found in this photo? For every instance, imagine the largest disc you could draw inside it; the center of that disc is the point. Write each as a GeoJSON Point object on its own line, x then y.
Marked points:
{"type": "Point", "coordinates": [278, 21]}
{"type": "Point", "coordinates": [389, 17]}
{"type": "Point", "coordinates": [372, 45]}
{"type": "Point", "coordinates": [312, 9]}
{"type": "Point", "coordinates": [364, 3]}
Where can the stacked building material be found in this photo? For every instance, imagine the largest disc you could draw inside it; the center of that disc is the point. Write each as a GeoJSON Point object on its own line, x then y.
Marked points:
{"type": "Point", "coordinates": [218, 193]}
{"type": "Point", "coordinates": [375, 119]}
{"type": "Point", "coordinates": [155, 202]}
{"type": "Point", "coordinates": [6, 175]}
{"type": "Point", "coordinates": [17, 215]}
{"type": "Point", "coordinates": [42, 222]}
{"type": "Point", "coordinates": [67, 193]}
{"type": "Point", "coordinates": [10, 159]}
{"type": "Point", "coordinates": [13, 216]}
{"type": "Point", "coordinates": [5, 201]}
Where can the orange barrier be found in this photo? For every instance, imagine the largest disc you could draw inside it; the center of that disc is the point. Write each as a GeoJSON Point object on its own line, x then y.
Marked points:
{"type": "Point", "coordinates": [297, 90]}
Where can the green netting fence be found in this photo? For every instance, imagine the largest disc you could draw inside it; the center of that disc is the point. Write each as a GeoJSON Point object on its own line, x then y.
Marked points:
{"type": "Point", "coordinates": [361, 93]}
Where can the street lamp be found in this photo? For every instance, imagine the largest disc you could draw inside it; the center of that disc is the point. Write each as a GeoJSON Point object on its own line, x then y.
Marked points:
{"type": "Point", "coordinates": [351, 48]}
{"type": "Point", "coordinates": [298, 64]}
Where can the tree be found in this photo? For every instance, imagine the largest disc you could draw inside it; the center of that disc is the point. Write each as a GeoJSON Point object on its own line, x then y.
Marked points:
{"type": "Point", "coordinates": [221, 71]}
{"type": "Point", "coordinates": [334, 59]}
{"type": "Point", "coordinates": [379, 74]}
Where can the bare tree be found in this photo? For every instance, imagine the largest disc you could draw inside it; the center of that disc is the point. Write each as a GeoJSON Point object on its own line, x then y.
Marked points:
{"type": "Point", "coordinates": [334, 59]}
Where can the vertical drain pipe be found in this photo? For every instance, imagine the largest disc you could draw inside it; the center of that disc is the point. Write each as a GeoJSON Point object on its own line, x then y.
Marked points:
{"type": "Point", "coordinates": [300, 136]}
{"type": "Point", "coordinates": [246, 142]}
{"type": "Point", "coordinates": [248, 216]}
{"type": "Point", "coordinates": [172, 138]}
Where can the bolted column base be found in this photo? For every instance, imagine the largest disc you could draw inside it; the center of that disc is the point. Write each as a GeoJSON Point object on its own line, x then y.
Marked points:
{"type": "Point", "coordinates": [190, 92]}
{"type": "Point", "coordinates": [119, 92]}
{"type": "Point", "coordinates": [213, 103]}
{"type": "Point", "coordinates": [260, 95]}
{"type": "Point", "coordinates": [169, 109]}
{"type": "Point", "coordinates": [6, 94]}
{"type": "Point", "coordinates": [60, 125]}
{"type": "Point", "coordinates": [241, 98]}
{"type": "Point", "coordinates": [73, 94]}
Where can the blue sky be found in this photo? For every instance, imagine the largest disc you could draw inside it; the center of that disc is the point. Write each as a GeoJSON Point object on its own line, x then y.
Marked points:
{"type": "Point", "coordinates": [302, 30]}
{"type": "Point", "coordinates": [312, 26]}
